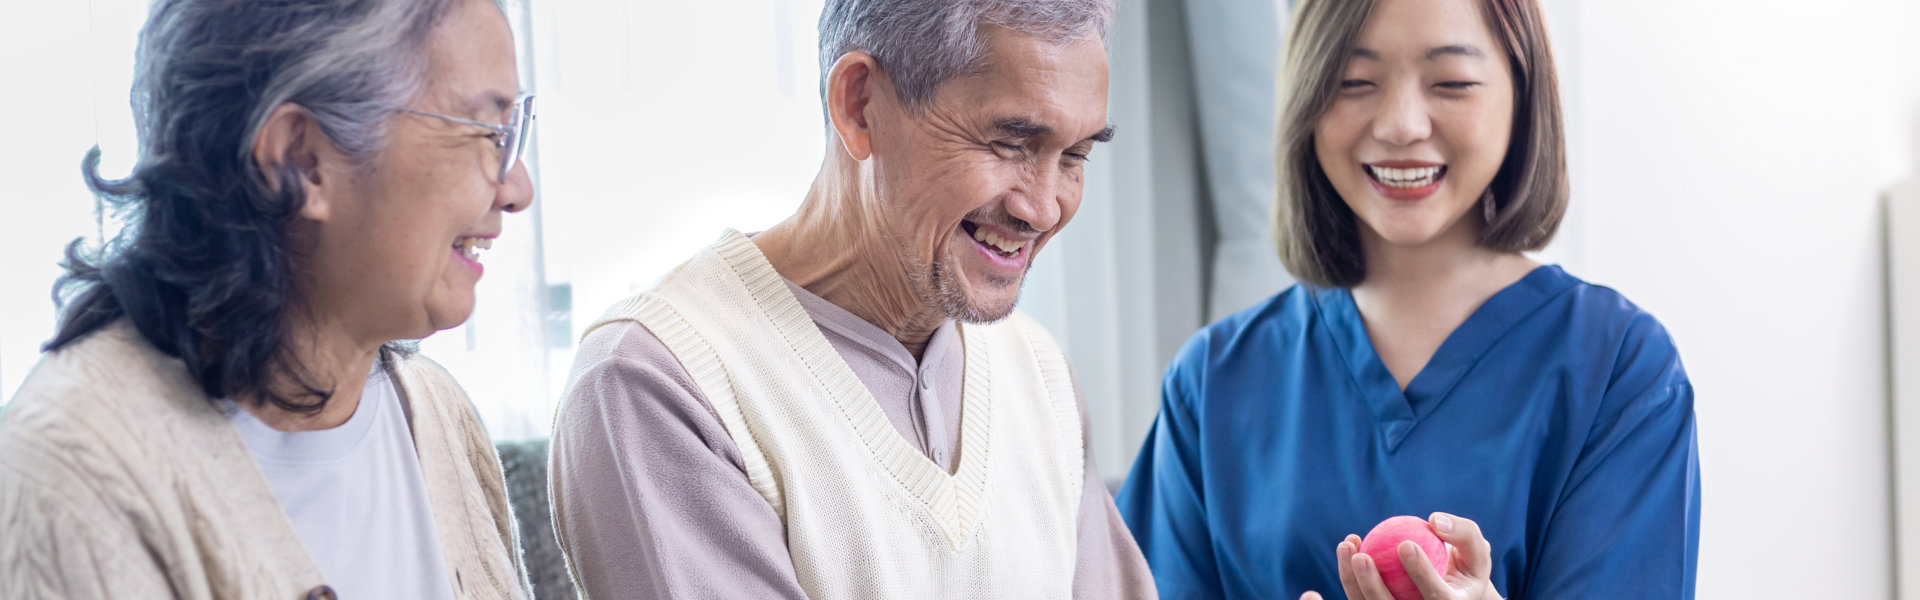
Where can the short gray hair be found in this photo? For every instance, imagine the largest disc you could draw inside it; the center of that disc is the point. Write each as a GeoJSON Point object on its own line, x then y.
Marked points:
{"type": "Point", "coordinates": [923, 43]}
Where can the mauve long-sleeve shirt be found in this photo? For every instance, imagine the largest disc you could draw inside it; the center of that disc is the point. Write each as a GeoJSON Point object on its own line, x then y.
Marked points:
{"type": "Point", "coordinates": [651, 498]}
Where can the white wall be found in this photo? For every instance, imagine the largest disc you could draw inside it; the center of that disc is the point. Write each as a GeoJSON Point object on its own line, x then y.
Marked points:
{"type": "Point", "coordinates": [68, 65]}
{"type": "Point", "coordinates": [1730, 156]}
{"type": "Point", "coordinates": [1903, 283]}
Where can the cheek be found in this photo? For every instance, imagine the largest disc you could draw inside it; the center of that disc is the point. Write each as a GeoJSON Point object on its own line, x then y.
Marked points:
{"type": "Point", "coordinates": [1335, 138]}
{"type": "Point", "coordinates": [426, 220]}
{"type": "Point", "coordinates": [418, 256]}
{"type": "Point", "coordinates": [964, 186]}
{"type": "Point", "coordinates": [1480, 134]}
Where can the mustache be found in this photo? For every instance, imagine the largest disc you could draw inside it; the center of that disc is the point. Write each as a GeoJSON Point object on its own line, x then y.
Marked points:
{"type": "Point", "coordinates": [1002, 220]}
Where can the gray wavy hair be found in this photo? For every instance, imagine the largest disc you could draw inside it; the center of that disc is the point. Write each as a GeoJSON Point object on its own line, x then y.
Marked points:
{"type": "Point", "coordinates": [205, 270]}
{"type": "Point", "coordinates": [923, 43]}
{"type": "Point", "coordinates": [349, 62]}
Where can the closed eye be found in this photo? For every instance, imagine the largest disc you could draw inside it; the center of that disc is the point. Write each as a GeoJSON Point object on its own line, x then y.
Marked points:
{"type": "Point", "coordinates": [1348, 84]}
{"type": "Point", "coordinates": [1457, 85]}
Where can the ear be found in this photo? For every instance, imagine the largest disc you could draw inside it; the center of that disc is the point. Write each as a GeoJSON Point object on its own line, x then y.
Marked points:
{"type": "Point", "coordinates": [291, 137]}
{"type": "Point", "coordinates": [851, 87]}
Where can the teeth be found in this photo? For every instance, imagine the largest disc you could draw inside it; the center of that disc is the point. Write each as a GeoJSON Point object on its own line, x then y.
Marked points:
{"type": "Point", "coordinates": [471, 246]}
{"type": "Point", "coordinates": [1406, 178]}
{"type": "Point", "coordinates": [1005, 246]}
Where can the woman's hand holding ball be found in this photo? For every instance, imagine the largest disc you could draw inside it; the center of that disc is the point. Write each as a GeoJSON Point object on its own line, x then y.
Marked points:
{"type": "Point", "coordinates": [1397, 561]}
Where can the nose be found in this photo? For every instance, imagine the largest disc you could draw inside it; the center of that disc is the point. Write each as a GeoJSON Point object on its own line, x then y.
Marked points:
{"type": "Point", "coordinates": [1402, 119]}
{"type": "Point", "coordinates": [1039, 205]}
{"type": "Point", "coordinates": [517, 193]}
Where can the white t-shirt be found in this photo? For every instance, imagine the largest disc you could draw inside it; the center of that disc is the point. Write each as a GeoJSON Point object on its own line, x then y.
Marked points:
{"type": "Point", "coordinates": [356, 497]}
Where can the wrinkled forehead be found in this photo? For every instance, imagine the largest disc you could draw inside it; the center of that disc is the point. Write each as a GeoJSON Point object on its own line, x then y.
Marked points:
{"type": "Point", "coordinates": [1062, 86]}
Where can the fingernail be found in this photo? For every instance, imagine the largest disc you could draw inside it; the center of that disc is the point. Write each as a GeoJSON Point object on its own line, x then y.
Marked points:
{"type": "Point", "coordinates": [1441, 523]}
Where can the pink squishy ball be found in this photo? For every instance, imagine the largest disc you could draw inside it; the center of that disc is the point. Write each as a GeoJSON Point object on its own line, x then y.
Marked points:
{"type": "Point", "coordinates": [1383, 545]}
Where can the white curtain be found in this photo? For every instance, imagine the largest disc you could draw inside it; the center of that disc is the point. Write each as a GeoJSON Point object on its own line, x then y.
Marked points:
{"type": "Point", "coordinates": [1235, 49]}
{"type": "Point", "coordinates": [1174, 229]}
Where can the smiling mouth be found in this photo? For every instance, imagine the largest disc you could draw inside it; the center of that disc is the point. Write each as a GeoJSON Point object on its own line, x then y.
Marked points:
{"type": "Point", "coordinates": [1406, 179]}
{"type": "Point", "coordinates": [470, 247]}
{"type": "Point", "coordinates": [993, 243]}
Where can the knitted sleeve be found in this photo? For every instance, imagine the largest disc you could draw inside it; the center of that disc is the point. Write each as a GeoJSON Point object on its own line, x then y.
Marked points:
{"type": "Point", "coordinates": [493, 483]}
{"type": "Point", "coordinates": [59, 540]}
{"type": "Point", "coordinates": [443, 400]}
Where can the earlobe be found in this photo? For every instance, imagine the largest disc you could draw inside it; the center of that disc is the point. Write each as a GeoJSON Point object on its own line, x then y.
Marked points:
{"type": "Point", "coordinates": [850, 90]}
{"type": "Point", "coordinates": [287, 141]}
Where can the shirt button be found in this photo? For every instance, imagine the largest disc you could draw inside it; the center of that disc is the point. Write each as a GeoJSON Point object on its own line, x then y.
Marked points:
{"type": "Point", "coordinates": [926, 384]}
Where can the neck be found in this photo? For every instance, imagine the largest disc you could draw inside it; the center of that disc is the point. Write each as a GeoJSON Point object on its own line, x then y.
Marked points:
{"type": "Point", "coordinates": [329, 358]}
{"type": "Point", "coordinates": [1448, 271]}
{"type": "Point", "coordinates": [840, 249]}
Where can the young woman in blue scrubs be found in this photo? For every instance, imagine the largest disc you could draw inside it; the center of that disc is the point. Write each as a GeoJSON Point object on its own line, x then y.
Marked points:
{"type": "Point", "coordinates": [1423, 366]}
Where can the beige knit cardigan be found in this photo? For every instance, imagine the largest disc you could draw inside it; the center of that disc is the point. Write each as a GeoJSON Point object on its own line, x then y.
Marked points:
{"type": "Point", "coordinates": [118, 479]}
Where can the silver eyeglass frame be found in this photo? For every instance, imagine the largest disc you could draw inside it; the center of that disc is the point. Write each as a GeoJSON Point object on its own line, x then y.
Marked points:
{"type": "Point", "coordinates": [510, 138]}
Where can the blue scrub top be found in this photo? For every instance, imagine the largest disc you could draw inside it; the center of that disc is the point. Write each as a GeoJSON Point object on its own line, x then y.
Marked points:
{"type": "Point", "coordinates": [1557, 416]}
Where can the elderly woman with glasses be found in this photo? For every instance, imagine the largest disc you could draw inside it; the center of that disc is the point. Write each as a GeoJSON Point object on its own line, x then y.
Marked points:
{"type": "Point", "coordinates": [223, 412]}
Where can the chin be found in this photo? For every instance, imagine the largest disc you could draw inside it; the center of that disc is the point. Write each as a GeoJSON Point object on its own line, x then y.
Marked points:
{"type": "Point", "coordinates": [977, 300]}
{"type": "Point", "coordinates": [993, 298]}
{"type": "Point", "coordinates": [442, 318]}
{"type": "Point", "coordinates": [1410, 237]}
{"type": "Point", "coordinates": [1407, 229]}
{"type": "Point", "coordinates": [991, 311]}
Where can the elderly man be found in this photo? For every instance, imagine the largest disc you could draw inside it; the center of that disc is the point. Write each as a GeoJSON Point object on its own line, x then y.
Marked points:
{"type": "Point", "coordinates": [847, 405]}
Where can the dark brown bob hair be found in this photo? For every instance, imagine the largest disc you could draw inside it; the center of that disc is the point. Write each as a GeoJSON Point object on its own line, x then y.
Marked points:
{"type": "Point", "coordinates": [1317, 234]}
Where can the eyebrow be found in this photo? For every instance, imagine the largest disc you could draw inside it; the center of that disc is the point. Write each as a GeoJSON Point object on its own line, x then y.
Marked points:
{"type": "Point", "coordinates": [1104, 136]}
{"type": "Point", "coordinates": [1434, 54]}
{"type": "Point", "coordinates": [1022, 127]}
{"type": "Point", "coordinates": [493, 99]}
{"type": "Point", "coordinates": [1455, 50]}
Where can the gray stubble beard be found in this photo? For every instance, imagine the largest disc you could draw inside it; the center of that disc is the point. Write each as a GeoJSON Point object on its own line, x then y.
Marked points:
{"type": "Point", "coordinates": [937, 287]}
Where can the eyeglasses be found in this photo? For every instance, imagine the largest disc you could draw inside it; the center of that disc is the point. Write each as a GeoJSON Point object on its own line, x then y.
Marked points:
{"type": "Point", "coordinates": [511, 138]}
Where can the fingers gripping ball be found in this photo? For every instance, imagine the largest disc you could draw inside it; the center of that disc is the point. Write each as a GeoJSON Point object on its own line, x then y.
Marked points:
{"type": "Point", "coordinates": [1383, 545]}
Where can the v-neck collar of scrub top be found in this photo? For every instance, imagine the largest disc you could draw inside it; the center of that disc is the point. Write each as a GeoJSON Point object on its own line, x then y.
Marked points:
{"type": "Point", "coordinates": [1396, 412]}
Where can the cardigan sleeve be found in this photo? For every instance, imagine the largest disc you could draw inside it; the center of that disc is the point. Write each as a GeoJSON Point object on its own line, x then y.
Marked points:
{"type": "Point", "coordinates": [465, 444]}
{"type": "Point", "coordinates": [493, 483]}
{"type": "Point", "coordinates": [62, 540]}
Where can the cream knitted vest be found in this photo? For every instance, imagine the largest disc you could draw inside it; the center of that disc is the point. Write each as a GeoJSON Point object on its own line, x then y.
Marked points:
{"type": "Point", "coordinates": [866, 514]}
